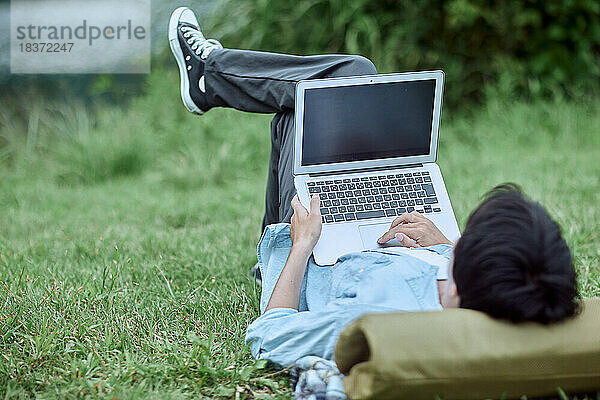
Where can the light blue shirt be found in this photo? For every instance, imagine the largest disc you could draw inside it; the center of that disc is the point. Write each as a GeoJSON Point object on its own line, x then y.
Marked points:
{"type": "Point", "coordinates": [383, 280]}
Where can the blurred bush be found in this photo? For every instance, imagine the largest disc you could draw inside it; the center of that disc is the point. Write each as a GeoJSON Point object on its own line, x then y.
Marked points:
{"type": "Point", "coordinates": [532, 47]}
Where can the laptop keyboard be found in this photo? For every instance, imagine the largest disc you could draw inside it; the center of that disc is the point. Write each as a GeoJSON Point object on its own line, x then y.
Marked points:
{"type": "Point", "coordinates": [352, 199]}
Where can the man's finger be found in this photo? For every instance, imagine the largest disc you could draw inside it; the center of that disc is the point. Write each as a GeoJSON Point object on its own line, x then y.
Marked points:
{"type": "Point", "coordinates": [406, 241]}
{"type": "Point", "coordinates": [405, 219]}
{"type": "Point", "coordinates": [315, 205]}
{"type": "Point", "coordinates": [298, 207]}
{"type": "Point", "coordinates": [389, 235]}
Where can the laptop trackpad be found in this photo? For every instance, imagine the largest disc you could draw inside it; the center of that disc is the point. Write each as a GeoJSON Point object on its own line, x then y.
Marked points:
{"type": "Point", "coordinates": [371, 232]}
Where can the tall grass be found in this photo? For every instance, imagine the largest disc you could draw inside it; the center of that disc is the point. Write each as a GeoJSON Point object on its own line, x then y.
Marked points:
{"type": "Point", "coordinates": [78, 144]}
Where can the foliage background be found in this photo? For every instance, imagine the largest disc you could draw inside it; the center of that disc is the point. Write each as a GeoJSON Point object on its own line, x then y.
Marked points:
{"type": "Point", "coordinates": [531, 47]}
{"type": "Point", "coordinates": [526, 47]}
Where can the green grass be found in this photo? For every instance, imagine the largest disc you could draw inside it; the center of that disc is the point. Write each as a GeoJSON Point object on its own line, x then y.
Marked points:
{"type": "Point", "coordinates": [126, 235]}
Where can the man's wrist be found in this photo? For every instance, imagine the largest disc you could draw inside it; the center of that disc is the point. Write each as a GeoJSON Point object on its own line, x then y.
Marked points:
{"type": "Point", "coordinates": [303, 248]}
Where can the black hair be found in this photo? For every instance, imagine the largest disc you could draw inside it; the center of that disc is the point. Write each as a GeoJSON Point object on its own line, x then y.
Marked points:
{"type": "Point", "coordinates": [512, 262]}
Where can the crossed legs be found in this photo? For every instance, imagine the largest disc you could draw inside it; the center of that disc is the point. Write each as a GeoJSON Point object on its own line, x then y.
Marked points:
{"type": "Point", "coordinates": [253, 81]}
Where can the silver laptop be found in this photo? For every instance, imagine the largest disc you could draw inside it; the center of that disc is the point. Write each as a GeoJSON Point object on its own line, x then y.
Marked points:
{"type": "Point", "coordinates": [367, 146]}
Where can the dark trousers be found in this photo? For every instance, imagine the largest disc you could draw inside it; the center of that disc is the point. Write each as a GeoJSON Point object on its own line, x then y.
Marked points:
{"type": "Point", "coordinates": [261, 82]}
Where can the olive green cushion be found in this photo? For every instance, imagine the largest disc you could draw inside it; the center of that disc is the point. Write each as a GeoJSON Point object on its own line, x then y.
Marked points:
{"type": "Point", "coordinates": [464, 354]}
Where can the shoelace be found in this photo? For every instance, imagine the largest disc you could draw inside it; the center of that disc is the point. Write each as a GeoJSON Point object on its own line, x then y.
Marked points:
{"type": "Point", "coordinates": [200, 45]}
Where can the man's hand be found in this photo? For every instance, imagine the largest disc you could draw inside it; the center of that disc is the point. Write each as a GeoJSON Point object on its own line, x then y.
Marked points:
{"type": "Point", "coordinates": [306, 226]}
{"type": "Point", "coordinates": [414, 230]}
{"type": "Point", "coordinates": [305, 229]}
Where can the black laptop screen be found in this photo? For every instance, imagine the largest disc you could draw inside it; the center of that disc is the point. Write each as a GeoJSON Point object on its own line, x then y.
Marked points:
{"type": "Point", "coordinates": [365, 122]}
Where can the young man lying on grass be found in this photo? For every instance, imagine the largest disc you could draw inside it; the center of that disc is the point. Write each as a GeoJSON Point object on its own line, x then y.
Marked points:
{"type": "Point", "coordinates": [511, 261]}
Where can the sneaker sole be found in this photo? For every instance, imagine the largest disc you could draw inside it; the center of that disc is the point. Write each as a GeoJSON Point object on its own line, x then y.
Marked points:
{"type": "Point", "coordinates": [178, 53]}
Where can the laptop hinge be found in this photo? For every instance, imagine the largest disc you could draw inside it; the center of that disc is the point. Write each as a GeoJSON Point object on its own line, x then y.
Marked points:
{"type": "Point", "coordinates": [352, 171]}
